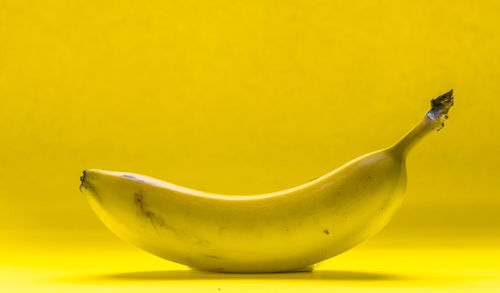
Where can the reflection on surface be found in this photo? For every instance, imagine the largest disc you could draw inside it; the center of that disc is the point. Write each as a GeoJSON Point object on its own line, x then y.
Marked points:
{"type": "Point", "coordinates": [173, 275]}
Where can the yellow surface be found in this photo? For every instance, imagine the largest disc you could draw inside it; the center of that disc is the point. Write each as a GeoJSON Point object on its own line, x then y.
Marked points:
{"type": "Point", "coordinates": [246, 97]}
{"type": "Point", "coordinates": [380, 270]}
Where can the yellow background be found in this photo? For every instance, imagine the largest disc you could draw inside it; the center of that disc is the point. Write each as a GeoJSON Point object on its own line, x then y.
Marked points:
{"type": "Point", "coordinates": [245, 97]}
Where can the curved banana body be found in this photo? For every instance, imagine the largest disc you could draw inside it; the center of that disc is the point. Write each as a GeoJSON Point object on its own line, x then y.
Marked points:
{"type": "Point", "coordinates": [281, 231]}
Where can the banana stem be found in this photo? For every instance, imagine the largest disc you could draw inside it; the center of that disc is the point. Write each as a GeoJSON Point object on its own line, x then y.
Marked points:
{"type": "Point", "coordinates": [433, 120]}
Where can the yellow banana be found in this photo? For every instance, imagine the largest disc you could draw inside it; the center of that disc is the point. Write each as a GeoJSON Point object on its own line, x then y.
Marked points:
{"type": "Point", "coordinates": [280, 231]}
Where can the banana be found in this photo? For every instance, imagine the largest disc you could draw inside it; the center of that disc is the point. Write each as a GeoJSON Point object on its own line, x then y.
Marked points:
{"type": "Point", "coordinates": [288, 230]}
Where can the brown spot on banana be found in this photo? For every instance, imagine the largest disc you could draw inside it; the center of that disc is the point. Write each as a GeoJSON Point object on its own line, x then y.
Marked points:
{"type": "Point", "coordinates": [143, 211]}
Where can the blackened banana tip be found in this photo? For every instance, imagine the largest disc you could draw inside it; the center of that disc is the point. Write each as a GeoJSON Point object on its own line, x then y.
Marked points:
{"type": "Point", "coordinates": [82, 180]}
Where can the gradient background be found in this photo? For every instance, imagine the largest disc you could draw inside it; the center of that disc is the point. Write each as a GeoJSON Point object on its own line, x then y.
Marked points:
{"type": "Point", "coordinates": [246, 97]}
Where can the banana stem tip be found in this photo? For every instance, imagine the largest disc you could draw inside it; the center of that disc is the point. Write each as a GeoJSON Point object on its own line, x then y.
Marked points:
{"type": "Point", "coordinates": [440, 107]}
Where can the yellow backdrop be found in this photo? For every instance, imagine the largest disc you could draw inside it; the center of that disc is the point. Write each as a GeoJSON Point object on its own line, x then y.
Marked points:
{"type": "Point", "coordinates": [246, 97]}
